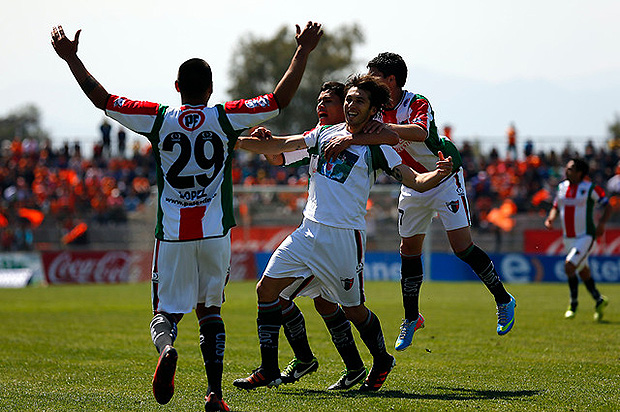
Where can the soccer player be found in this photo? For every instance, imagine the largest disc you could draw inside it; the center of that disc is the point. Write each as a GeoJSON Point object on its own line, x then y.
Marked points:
{"type": "Point", "coordinates": [329, 111]}
{"type": "Point", "coordinates": [412, 117]}
{"type": "Point", "coordinates": [193, 145]}
{"type": "Point", "coordinates": [330, 243]}
{"type": "Point", "coordinates": [574, 203]}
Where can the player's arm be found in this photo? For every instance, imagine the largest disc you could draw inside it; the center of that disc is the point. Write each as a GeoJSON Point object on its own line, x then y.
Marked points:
{"type": "Point", "coordinates": [553, 214]}
{"type": "Point", "coordinates": [411, 132]}
{"type": "Point", "coordinates": [67, 50]}
{"type": "Point", "coordinates": [262, 141]}
{"type": "Point", "coordinates": [422, 182]}
{"type": "Point", "coordinates": [306, 40]}
{"type": "Point", "coordinates": [600, 227]}
{"type": "Point", "coordinates": [380, 135]}
{"type": "Point", "coordinates": [275, 159]}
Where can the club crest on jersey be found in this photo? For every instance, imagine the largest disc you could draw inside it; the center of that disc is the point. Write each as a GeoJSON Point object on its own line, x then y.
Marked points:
{"type": "Point", "coordinates": [347, 283]}
{"type": "Point", "coordinates": [453, 206]}
{"type": "Point", "coordinates": [191, 120]}
{"type": "Point", "coordinates": [155, 277]}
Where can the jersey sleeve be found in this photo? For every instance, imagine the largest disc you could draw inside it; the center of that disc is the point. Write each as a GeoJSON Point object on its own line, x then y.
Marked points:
{"type": "Point", "coordinates": [139, 116]}
{"type": "Point", "coordinates": [599, 196]}
{"type": "Point", "coordinates": [296, 157]}
{"type": "Point", "coordinates": [421, 113]}
{"type": "Point", "coordinates": [384, 157]}
{"type": "Point", "coordinates": [243, 114]}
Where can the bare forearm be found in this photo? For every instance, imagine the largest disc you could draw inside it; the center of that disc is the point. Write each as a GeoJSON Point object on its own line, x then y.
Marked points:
{"type": "Point", "coordinates": [286, 88]}
{"type": "Point", "coordinates": [420, 182]}
{"type": "Point", "coordinates": [386, 136]}
{"type": "Point", "coordinates": [411, 132]}
{"type": "Point", "coordinates": [90, 86]}
{"type": "Point", "coordinates": [273, 146]}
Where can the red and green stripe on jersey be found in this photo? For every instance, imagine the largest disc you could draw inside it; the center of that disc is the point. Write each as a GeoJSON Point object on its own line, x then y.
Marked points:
{"type": "Point", "coordinates": [420, 156]}
{"type": "Point", "coordinates": [193, 146]}
{"type": "Point", "coordinates": [576, 204]}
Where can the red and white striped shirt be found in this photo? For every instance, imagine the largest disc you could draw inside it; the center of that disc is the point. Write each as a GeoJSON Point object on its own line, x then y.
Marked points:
{"type": "Point", "coordinates": [575, 203]}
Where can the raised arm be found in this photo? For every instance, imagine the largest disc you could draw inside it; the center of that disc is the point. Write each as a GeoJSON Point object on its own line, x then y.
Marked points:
{"type": "Point", "coordinates": [261, 141]}
{"type": "Point", "coordinates": [306, 42]}
{"type": "Point", "coordinates": [422, 182]}
{"type": "Point", "coordinates": [67, 50]}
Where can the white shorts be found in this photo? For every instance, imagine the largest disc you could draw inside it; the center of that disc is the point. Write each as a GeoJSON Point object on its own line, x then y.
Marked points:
{"type": "Point", "coordinates": [448, 201]}
{"type": "Point", "coordinates": [578, 249]}
{"type": "Point", "coordinates": [334, 256]}
{"type": "Point", "coordinates": [188, 273]}
{"type": "Point", "coordinates": [308, 286]}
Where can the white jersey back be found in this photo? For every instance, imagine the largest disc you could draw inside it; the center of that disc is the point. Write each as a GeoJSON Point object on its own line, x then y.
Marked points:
{"type": "Point", "coordinates": [193, 148]}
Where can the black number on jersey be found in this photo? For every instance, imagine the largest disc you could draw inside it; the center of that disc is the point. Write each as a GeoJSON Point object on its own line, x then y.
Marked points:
{"type": "Point", "coordinates": [208, 152]}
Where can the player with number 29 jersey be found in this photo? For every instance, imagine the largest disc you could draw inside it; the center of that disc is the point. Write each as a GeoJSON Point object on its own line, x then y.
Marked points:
{"type": "Point", "coordinates": [193, 148]}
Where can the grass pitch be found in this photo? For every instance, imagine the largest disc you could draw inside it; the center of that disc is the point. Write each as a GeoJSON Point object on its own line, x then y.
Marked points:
{"type": "Point", "coordinates": [87, 348]}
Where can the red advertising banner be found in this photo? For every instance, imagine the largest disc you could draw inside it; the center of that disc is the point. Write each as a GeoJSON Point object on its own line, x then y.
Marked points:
{"type": "Point", "coordinates": [112, 266]}
{"type": "Point", "coordinates": [549, 242]}
{"type": "Point", "coordinates": [258, 238]}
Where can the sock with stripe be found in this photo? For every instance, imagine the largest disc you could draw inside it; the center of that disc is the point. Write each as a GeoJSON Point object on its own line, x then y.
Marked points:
{"type": "Point", "coordinates": [372, 336]}
{"type": "Point", "coordinates": [482, 266]}
{"type": "Point", "coordinates": [163, 330]}
{"type": "Point", "coordinates": [411, 276]}
{"type": "Point", "coordinates": [268, 324]}
{"type": "Point", "coordinates": [339, 328]}
{"type": "Point", "coordinates": [212, 346]}
{"type": "Point", "coordinates": [294, 326]}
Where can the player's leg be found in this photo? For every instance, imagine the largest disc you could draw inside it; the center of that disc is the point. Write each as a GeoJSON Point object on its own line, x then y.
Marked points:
{"type": "Point", "coordinates": [294, 326]}
{"type": "Point", "coordinates": [573, 287]}
{"type": "Point", "coordinates": [369, 327]}
{"type": "Point", "coordinates": [339, 328]}
{"type": "Point", "coordinates": [173, 294]}
{"type": "Point", "coordinates": [214, 263]}
{"type": "Point", "coordinates": [601, 301]}
{"type": "Point", "coordinates": [415, 214]}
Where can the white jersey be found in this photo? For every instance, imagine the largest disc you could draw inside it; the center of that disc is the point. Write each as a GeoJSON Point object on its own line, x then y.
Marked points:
{"type": "Point", "coordinates": [193, 148]}
{"type": "Point", "coordinates": [339, 189]}
{"type": "Point", "coordinates": [576, 206]}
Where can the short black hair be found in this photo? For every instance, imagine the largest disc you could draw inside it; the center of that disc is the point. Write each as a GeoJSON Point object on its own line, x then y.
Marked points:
{"type": "Point", "coordinates": [378, 91]}
{"type": "Point", "coordinates": [194, 78]}
{"type": "Point", "coordinates": [581, 166]}
{"type": "Point", "coordinates": [390, 64]}
{"type": "Point", "coordinates": [336, 88]}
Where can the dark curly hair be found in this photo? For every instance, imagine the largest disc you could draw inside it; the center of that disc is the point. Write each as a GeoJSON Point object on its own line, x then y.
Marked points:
{"type": "Point", "coordinates": [390, 64]}
{"type": "Point", "coordinates": [378, 91]}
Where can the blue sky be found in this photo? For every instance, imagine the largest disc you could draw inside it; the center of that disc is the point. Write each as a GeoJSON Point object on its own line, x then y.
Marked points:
{"type": "Point", "coordinates": [552, 67]}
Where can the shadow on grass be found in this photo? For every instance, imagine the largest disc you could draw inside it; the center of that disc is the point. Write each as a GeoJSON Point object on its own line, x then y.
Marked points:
{"type": "Point", "coordinates": [443, 393]}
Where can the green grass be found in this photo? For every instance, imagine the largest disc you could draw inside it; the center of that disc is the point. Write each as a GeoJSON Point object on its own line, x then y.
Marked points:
{"type": "Point", "coordinates": [87, 348]}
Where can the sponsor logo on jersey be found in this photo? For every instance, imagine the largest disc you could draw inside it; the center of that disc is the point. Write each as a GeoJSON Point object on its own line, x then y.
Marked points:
{"type": "Point", "coordinates": [453, 206]}
{"type": "Point", "coordinates": [260, 101]}
{"type": "Point", "coordinates": [347, 283]}
{"type": "Point", "coordinates": [119, 102]}
{"type": "Point", "coordinates": [191, 120]}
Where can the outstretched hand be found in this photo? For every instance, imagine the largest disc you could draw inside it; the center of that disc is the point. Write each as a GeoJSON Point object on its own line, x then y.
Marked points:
{"type": "Point", "coordinates": [310, 36]}
{"type": "Point", "coordinates": [64, 47]}
{"type": "Point", "coordinates": [261, 133]}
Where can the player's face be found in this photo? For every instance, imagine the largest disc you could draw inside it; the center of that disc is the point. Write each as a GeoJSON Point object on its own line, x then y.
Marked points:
{"type": "Point", "coordinates": [329, 108]}
{"type": "Point", "coordinates": [572, 175]}
{"type": "Point", "coordinates": [389, 80]}
{"type": "Point", "coordinates": [357, 110]}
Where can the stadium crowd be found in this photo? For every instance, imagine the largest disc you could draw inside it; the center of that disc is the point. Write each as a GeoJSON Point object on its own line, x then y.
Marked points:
{"type": "Point", "coordinates": [67, 187]}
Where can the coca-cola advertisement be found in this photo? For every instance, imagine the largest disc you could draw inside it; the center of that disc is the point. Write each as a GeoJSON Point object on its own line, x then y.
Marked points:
{"type": "Point", "coordinates": [550, 242]}
{"type": "Point", "coordinates": [112, 266]}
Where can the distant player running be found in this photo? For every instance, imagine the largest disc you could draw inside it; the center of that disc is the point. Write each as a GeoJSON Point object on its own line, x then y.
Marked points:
{"type": "Point", "coordinates": [574, 203]}
{"type": "Point", "coordinates": [330, 243]}
{"type": "Point", "coordinates": [193, 146]}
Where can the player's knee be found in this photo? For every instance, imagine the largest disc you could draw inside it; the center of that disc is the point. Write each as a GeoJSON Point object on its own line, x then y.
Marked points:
{"type": "Point", "coordinates": [324, 307]}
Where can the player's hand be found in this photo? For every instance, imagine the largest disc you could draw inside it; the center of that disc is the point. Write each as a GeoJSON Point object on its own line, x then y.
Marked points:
{"type": "Point", "coordinates": [336, 146]}
{"type": "Point", "coordinates": [309, 37]}
{"type": "Point", "coordinates": [261, 133]}
{"type": "Point", "coordinates": [444, 166]}
{"type": "Point", "coordinates": [549, 223]}
{"type": "Point", "coordinates": [64, 47]}
{"type": "Point", "coordinates": [374, 126]}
